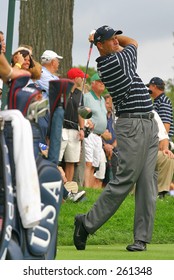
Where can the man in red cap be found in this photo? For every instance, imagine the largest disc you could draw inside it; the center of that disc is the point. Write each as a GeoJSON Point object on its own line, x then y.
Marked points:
{"type": "Point", "coordinates": [73, 126]}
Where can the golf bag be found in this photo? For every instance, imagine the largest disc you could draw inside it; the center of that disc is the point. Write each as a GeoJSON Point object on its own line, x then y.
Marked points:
{"type": "Point", "coordinates": [16, 241]}
{"type": "Point", "coordinates": [6, 196]}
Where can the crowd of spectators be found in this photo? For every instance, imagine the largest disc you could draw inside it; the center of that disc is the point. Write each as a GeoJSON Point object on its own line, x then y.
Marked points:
{"type": "Point", "coordinates": [95, 152]}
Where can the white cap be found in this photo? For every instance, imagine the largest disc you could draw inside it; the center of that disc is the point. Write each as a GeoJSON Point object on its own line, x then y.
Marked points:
{"type": "Point", "coordinates": [49, 55]}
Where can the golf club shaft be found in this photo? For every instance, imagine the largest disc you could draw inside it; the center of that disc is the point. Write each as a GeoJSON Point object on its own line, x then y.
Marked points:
{"type": "Point", "coordinates": [84, 80]}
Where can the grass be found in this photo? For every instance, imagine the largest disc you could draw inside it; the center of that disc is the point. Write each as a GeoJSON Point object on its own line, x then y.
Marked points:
{"type": "Point", "coordinates": [116, 252]}
{"type": "Point", "coordinates": [110, 240]}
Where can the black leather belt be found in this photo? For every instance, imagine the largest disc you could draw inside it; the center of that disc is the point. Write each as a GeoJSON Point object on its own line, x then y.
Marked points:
{"type": "Point", "coordinates": [147, 116]}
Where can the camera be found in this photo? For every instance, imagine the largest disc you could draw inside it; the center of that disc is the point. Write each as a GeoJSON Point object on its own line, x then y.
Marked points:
{"type": "Point", "coordinates": [87, 131]}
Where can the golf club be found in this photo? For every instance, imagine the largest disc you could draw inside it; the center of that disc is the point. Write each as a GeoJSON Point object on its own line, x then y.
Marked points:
{"type": "Point", "coordinates": [85, 112]}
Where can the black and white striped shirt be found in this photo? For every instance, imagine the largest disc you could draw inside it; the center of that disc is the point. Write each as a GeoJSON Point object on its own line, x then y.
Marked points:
{"type": "Point", "coordinates": [163, 106]}
{"type": "Point", "coordinates": [118, 72]}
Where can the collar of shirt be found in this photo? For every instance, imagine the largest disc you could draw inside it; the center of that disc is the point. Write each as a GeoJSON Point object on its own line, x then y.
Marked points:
{"type": "Point", "coordinates": [48, 73]}
{"type": "Point", "coordinates": [94, 95]}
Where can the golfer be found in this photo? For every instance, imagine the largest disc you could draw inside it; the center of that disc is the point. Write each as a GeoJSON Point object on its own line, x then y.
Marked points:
{"type": "Point", "coordinates": [137, 138]}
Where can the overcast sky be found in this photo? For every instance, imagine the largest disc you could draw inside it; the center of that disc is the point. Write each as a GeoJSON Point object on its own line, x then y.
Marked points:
{"type": "Point", "coordinates": [150, 22]}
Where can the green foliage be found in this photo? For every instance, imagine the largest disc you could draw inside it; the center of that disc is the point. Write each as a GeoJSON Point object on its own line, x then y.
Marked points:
{"type": "Point", "coordinates": [170, 91]}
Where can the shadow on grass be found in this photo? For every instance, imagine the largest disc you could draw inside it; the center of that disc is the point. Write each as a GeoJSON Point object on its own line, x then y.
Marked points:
{"type": "Point", "coordinates": [116, 252]}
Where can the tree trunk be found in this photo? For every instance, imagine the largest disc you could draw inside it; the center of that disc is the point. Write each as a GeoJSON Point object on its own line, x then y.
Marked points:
{"type": "Point", "coordinates": [48, 25]}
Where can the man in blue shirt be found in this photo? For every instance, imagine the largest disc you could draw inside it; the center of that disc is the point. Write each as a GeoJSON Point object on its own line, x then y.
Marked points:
{"type": "Point", "coordinates": [110, 145]}
{"type": "Point", "coordinates": [162, 104]}
{"type": "Point", "coordinates": [137, 139]}
{"type": "Point", "coordinates": [50, 65]}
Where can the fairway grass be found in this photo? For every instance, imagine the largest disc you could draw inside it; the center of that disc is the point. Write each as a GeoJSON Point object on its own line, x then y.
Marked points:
{"type": "Point", "coordinates": [116, 252]}
{"type": "Point", "coordinates": [110, 241]}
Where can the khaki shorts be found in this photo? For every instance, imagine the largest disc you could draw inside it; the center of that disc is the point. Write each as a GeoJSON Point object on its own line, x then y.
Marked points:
{"type": "Point", "coordinates": [70, 146]}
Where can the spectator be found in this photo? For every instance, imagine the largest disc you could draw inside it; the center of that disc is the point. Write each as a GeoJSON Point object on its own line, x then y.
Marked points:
{"type": "Point", "coordinates": [22, 59]}
{"type": "Point", "coordinates": [97, 124]}
{"type": "Point", "coordinates": [50, 65]}
{"type": "Point", "coordinates": [73, 126]}
{"type": "Point", "coordinates": [100, 172]}
{"type": "Point", "coordinates": [35, 71]}
{"type": "Point", "coordinates": [70, 195]}
{"type": "Point", "coordinates": [137, 138]}
{"type": "Point", "coordinates": [165, 161]}
{"type": "Point", "coordinates": [162, 104]}
{"type": "Point", "coordinates": [7, 73]}
{"type": "Point", "coordinates": [110, 146]}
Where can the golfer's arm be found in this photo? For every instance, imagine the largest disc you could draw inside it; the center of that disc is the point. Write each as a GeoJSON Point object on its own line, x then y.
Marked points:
{"type": "Point", "coordinates": [124, 41]}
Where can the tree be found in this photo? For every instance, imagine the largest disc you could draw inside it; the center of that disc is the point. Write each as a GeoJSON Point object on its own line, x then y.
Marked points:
{"type": "Point", "coordinates": [48, 25]}
{"type": "Point", "coordinates": [169, 89]}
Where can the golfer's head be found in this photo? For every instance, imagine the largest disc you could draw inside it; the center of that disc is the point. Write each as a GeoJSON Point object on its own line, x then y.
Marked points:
{"type": "Point", "coordinates": [105, 39]}
{"type": "Point", "coordinates": [104, 33]}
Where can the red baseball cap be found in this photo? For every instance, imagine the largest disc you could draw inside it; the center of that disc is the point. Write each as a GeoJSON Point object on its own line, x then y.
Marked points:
{"type": "Point", "coordinates": [75, 73]}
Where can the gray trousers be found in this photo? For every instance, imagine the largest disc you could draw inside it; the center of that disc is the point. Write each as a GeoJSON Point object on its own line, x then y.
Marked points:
{"type": "Point", "coordinates": [137, 155]}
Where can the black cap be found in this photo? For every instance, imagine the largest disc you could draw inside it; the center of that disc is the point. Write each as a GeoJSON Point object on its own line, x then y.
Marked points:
{"type": "Point", "coordinates": [104, 33]}
{"type": "Point", "coordinates": [156, 81]}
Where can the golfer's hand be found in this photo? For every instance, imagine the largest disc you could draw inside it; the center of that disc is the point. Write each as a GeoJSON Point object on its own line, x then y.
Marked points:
{"type": "Point", "coordinates": [91, 36]}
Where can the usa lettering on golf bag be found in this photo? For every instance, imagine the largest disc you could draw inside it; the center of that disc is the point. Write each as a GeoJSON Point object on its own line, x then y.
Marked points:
{"type": "Point", "coordinates": [6, 197]}
{"type": "Point", "coordinates": [40, 235]}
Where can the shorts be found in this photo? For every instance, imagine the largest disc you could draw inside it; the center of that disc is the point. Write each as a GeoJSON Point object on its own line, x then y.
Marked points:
{"type": "Point", "coordinates": [93, 149]}
{"type": "Point", "coordinates": [70, 146]}
{"type": "Point", "coordinates": [100, 173]}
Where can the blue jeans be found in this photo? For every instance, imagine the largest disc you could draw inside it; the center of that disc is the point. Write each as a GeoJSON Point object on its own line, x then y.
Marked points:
{"type": "Point", "coordinates": [55, 139]}
{"type": "Point", "coordinates": [56, 135]}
